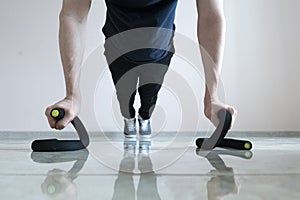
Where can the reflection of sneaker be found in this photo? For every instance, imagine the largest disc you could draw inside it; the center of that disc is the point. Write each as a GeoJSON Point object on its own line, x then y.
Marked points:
{"type": "Point", "coordinates": [128, 162]}
{"type": "Point", "coordinates": [144, 147]}
{"type": "Point", "coordinates": [129, 147]}
{"type": "Point", "coordinates": [129, 128]}
{"type": "Point", "coordinates": [145, 165]}
{"type": "Point", "coordinates": [145, 128]}
{"type": "Point", "coordinates": [144, 161]}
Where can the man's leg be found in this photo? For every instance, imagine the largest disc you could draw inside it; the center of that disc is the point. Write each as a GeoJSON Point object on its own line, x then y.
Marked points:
{"type": "Point", "coordinates": [151, 78]}
{"type": "Point", "coordinates": [125, 79]}
{"type": "Point", "coordinates": [148, 94]}
{"type": "Point", "coordinates": [211, 36]}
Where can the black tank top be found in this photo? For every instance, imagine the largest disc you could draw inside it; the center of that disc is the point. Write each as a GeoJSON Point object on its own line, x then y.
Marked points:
{"type": "Point", "coordinates": [125, 15]}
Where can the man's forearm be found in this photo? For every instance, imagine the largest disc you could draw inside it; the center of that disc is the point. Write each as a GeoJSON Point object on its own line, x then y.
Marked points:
{"type": "Point", "coordinates": [72, 42]}
{"type": "Point", "coordinates": [72, 36]}
{"type": "Point", "coordinates": [211, 36]}
{"type": "Point", "coordinates": [212, 47]}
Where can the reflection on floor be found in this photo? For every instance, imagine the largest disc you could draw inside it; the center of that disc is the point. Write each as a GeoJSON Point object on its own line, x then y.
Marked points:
{"type": "Point", "coordinates": [166, 167]}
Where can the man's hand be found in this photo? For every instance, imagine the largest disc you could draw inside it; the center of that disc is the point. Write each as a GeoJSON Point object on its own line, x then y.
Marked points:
{"type": "Point", "coordinates": [71, 108]}
{"type": "Point", "coordinates": [211, 109]}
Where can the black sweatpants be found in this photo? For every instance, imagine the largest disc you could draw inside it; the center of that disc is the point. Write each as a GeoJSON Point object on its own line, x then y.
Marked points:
{"type": "Point", "coordinates": [148, 76]}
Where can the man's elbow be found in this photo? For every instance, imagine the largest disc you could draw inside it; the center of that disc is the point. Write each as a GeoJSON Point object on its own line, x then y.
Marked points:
{"type": "Point", "coordinates": [211, 20]}
{"type": "Point", "coordinates": [75, 9]}
{"type": "Point", "coordinates": [65, 15]}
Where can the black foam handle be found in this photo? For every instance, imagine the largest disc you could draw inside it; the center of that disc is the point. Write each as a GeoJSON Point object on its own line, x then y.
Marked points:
{"type": "Point", "coordinates": [229, 143]}
{"type": "Point", "coordinates": [57, 113]}
{"type": "Point", "coordinates": [51, 145]}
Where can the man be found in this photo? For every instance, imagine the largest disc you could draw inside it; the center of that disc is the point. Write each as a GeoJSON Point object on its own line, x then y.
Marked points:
{"type": "Point", "coordinates": [130, 14]}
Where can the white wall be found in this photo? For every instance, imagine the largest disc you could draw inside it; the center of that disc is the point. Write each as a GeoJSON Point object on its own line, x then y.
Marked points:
{"type": "Point", "coordinates": [260, 70]}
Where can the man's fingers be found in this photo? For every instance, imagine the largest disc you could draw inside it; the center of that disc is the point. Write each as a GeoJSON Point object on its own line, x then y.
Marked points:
{"type": "Point", "coordinates": [51, 120]}
{"type": "Point", "coordinates": [61, 124]}
{"type": "Point", "coordinates": [215, 120]}
{"type": "Point", "coordinates": [233, 112]}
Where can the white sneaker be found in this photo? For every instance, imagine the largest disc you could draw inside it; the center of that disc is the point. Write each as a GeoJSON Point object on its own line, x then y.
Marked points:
{"type": "Point", "coordinates": [145, 127]}
{"type": "Point", "coordinates": [129, 128]}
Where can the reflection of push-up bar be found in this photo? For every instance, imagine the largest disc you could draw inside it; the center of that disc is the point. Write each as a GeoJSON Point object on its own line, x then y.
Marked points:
{"type": "Point", "coordinates": [60, 157]}
{"type": "Point", "coordinates": [245, 154]}
{"type": "Point", "coordinates": [55, 182]}
{"type": "Point", "coordinates": [222, 182]}
{"type": "Point", "coordinates": [217, 139]}
{"type": "Point", "coordinates": [50, 145]}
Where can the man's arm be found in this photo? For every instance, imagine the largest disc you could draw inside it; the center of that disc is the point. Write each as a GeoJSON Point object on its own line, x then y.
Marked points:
{"type": "Point", "coordinates": [211, 37]}
{"type": "Point", "coordinates": [72, 36]}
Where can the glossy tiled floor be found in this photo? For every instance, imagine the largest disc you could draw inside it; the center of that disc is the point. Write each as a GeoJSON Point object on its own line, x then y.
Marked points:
{"type": "Point", "coordinates": [171, 169]}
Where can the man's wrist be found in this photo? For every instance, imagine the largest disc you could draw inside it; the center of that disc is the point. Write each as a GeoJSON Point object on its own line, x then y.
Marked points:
{"type": "Point", "coordinates": [73, 95]}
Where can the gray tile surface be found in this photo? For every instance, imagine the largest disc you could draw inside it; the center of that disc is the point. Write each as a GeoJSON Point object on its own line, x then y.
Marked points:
{"type": "Point", "coordinates": [172, 169]}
